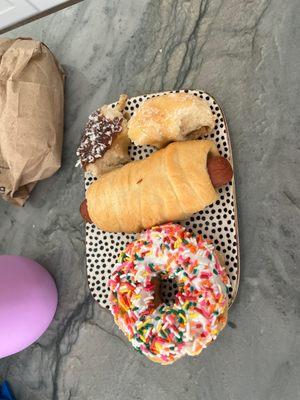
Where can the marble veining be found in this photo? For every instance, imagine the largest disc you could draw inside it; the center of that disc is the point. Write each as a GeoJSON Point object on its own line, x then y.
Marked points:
{"type": "Point", "coordinates": [245, 53]}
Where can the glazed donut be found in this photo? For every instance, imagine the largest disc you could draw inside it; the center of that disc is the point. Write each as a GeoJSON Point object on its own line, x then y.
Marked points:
{"type": "Point", "coordinates": [162, 332]}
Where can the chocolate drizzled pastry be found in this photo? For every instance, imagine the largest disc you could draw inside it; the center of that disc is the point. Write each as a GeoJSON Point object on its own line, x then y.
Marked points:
{"type": "Point", "coordinates": [104, 145]}
{"type": "Point", "coordinates": [97, 138]}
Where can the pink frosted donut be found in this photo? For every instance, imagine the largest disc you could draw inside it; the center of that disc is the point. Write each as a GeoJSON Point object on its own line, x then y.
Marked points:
{"type": "Point", "coordinates": [164, 332]}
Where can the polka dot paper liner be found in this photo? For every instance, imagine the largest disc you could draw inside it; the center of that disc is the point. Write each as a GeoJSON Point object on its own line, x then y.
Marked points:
{"type": "Point", "coordinates": [217, 222]}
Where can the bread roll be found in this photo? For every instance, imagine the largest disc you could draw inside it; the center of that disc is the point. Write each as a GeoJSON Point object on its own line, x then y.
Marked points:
{"type": "Point", "coordinates": [172, 117]}
{"type": "Point", "coordinates": [169, 185]}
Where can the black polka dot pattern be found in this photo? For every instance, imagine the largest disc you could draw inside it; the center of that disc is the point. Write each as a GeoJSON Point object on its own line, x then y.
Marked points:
{"type": "Point", "coordinates": [216, 223]}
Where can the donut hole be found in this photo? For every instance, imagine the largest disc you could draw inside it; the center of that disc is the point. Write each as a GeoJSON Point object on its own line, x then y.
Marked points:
{"type": "Point", "coordinates": [168, 290]}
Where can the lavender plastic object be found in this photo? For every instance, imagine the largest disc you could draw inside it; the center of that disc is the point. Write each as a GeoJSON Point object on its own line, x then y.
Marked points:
{"type": "Point", "coordinates": [28, 300]}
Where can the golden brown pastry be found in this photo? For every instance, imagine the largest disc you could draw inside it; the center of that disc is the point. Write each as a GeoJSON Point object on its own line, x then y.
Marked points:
{"type": "Point", "coordinates": [168, 118]}
{"type": "Point", "coordinates": [169, 185]}
{"type": "Point", "coordinates": [104, 144]}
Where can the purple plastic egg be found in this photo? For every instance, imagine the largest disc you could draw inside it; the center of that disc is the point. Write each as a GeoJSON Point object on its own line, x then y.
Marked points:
{"type": "Point", "coordinates": [28, 300]}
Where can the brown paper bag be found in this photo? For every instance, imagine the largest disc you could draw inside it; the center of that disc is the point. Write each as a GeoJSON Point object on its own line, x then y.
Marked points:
{"type": "Point", "coordinates": [31, 116]}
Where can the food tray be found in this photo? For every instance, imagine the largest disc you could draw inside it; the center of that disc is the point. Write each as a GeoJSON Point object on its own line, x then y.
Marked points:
{"type": "Point", "coordinates": [217, 222]}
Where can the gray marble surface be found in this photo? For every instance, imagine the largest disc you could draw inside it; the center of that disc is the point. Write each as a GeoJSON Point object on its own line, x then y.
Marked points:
{"type": "Point", "coordinates": [245, 54]}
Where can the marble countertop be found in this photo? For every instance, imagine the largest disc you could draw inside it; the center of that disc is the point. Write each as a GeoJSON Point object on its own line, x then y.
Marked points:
{"type": "Point", "coordinates": [245, 54]}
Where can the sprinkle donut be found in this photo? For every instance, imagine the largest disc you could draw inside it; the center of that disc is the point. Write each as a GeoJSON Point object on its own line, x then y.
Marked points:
{"type": "Point", "coordinates": [162, 332]}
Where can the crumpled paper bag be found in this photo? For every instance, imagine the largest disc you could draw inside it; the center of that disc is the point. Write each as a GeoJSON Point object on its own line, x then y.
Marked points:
{"type": "Point", "coordinates": [31, 116]}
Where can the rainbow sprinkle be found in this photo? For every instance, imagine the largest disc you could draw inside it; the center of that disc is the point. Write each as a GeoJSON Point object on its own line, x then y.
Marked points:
{"type": "Point", "coordinates": [165, 333]}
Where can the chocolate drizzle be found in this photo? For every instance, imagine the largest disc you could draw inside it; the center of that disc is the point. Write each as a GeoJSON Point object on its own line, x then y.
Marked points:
{"type": "Point", "coordinates": [97, 138]}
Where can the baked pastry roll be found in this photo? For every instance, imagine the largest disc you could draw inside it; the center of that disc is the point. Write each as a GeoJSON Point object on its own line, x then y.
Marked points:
{"type": "Point", "coordinates": [170, 185]}
{"type": "Point", "coordinates": [169, 118]}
